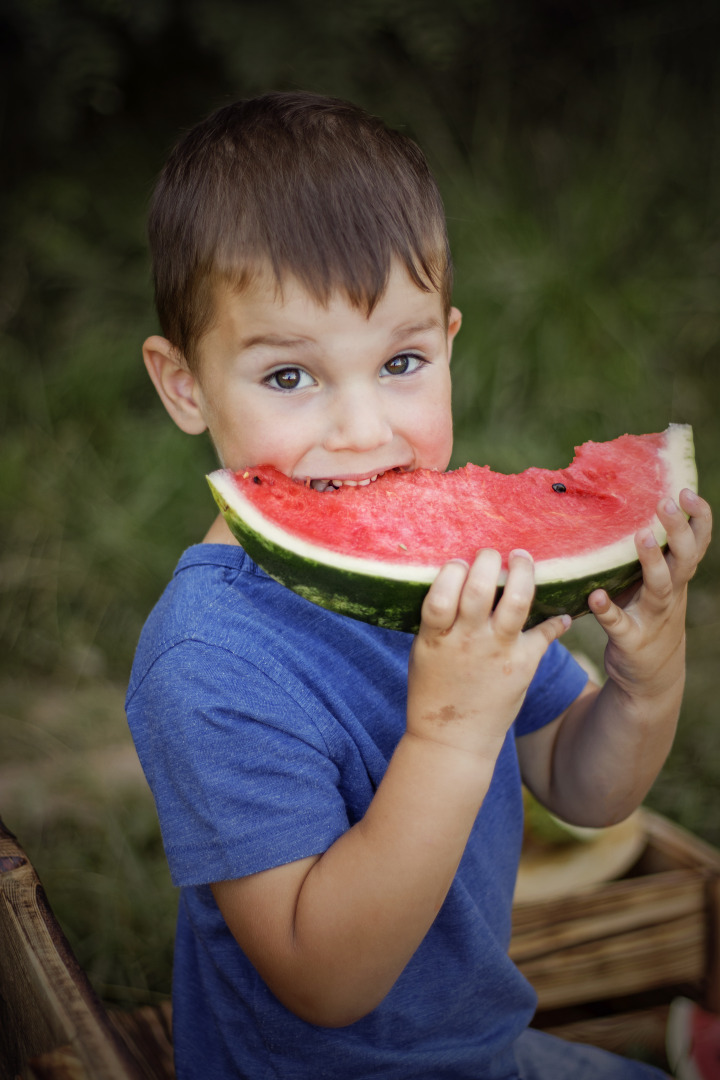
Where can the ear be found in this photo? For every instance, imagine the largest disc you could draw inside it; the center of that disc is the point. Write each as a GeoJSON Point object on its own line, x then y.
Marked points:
{"type": "Point", "coordinates": [175, 383]}
{"type": "Point", "coordinates": [454, 322]}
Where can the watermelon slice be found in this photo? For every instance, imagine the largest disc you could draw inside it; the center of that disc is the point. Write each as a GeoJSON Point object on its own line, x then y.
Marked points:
{"type": "Point", "coordinates": [371, 552]}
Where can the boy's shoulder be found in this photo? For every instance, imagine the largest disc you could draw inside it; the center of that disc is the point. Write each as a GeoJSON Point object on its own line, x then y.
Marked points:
{"type": "Point", "coordinates": [203, 573]}
{"type": "Point", "coordinates": [196, 604]}
{"type": "Point", "coordinates": [219, 601]}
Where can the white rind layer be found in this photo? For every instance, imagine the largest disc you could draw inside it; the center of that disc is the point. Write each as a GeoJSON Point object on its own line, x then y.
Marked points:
{"type": "Point", "coordinates": [677, 454]}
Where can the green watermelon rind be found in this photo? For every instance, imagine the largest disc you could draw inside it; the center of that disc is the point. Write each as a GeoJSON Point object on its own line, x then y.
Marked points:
{"type": "Point", "coordinates": [391, 595]}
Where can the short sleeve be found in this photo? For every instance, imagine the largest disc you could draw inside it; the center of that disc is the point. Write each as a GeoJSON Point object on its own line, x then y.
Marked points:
{"type": "Point", "coordinates": [241, 776]}
{"type": "Point", "coordinates": [558, 680]}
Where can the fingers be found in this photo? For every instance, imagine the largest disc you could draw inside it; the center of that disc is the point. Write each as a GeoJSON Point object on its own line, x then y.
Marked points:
{"type": "Point", "coordinates": [699, 524]}
{"type": "Point", "coordinates": [551, 629]}
{"type": "Point", "coordinates": [478, 595]}
{"type": "Point", "coordinates": [439, 609]}
{"type": "Point", "coordinates": [513, 608]}
{"type": "Point", "coordinates": [665, 574]}
{"type": "Point", "coordinates": [657, 583]}
{"type": "Point", "coordinates": [611, 617]}
{"type": "Point", "coordinates": [514, 605]}
{"type": "Point", "coordinates": [687, 539]}
{"type": "Point", "coordinates": [654, 596]}
{"type": "Point", "coordinates": [465, 595]}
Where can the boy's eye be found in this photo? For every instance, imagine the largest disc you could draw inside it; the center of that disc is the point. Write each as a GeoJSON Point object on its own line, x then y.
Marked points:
{"type": "Point", "coordinates": [404, 364]}
{"type": "Point", "coordinates": [290, 378]}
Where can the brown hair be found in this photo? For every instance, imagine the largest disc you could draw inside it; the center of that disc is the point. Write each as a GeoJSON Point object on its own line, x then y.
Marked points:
{"type": "Point", "coordinates": [312, 186]}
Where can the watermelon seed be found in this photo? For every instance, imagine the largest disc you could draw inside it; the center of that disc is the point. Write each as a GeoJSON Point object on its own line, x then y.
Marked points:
{"type": "Point", "coordinates": [559, 487]}
{"type": "Point", "coordinates": [257, 480]}
{"type": "Point", "coordinates": [403, 546]}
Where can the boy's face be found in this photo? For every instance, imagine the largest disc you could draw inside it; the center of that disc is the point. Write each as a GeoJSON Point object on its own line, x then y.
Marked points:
{"type": "Point", "coordinates": [325, 393]}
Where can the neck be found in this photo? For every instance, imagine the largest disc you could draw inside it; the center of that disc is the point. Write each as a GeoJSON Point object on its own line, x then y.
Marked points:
{"type": "Point", "coordinates": [219, 533]}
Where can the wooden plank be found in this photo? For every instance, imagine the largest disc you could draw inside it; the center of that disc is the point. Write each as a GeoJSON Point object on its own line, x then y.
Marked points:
{"type": "Point", "coordinates": [637, 892]}
{"type": "Point", "coordinates": [669, 845]}
{"type": "Point", "coordinates": [147, 1034]}
{"type": "Point", "coordinates": [625, 964]}
{"type": "Point", "coordinates": [59, 1064]}
{"type": "Point", "coordinates": [560, 924]}
{"type": "Point", "coordinates": [47, 1000]}
{"type": "Point", "coordinates": [712, 986]}
{"type": "Point", "coordinates": [621, 1034]}
{"type": "Point", "coordinates": [25, 1028]}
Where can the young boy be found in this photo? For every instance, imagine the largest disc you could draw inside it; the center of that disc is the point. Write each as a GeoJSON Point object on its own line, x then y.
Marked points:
{"type": "Point", "coordinates": [341, 804]}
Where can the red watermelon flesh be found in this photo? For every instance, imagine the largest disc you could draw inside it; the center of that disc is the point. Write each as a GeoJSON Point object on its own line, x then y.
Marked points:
{"type": "Point", "coordinates": [371, 552]}
{"type": "Point", "coordinates": [421, 517]}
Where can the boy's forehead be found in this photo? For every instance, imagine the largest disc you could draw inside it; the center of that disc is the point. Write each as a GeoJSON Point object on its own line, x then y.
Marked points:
{"type": "Point", "coordinates": [261, 294]}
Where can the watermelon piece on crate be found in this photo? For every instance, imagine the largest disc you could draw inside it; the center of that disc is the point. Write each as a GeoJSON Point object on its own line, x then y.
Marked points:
{"type": "Point", "coordinates": [372, 552]}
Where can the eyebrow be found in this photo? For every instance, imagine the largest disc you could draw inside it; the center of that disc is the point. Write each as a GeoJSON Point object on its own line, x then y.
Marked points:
{"type": "Point", "coordinates": [279, 341]}
{"type": "Point", "coordinates": [423, 327]}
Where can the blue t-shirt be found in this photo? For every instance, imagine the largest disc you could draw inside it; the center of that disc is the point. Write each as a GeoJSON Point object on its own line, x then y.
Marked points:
{"type": "Point", "coordinates": [264, 725]}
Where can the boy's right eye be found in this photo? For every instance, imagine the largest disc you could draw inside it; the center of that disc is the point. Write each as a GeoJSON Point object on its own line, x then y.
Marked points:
{"type": "Point", "coordinates": [290, 378]}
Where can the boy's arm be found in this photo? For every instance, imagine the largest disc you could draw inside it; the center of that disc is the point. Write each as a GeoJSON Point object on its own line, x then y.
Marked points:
{"type": "Point", "coordinates": [596, 763]}
{"type": "Point", "coordinates": [331, 934]}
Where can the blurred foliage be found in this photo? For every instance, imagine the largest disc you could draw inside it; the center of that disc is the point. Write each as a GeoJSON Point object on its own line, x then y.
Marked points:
{"type": "Point", "coordinates": [577, 149]}
{"type": "Point", "coordinates": [73, 791]}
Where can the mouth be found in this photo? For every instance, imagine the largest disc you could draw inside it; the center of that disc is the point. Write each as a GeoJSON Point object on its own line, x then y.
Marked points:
{"type": "Point", "coordinates": [335, 483]}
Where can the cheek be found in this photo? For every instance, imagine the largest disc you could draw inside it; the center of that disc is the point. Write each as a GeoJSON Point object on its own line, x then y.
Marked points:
{"type": "Point", "coordinates": [433, 436]}
{"type": "Point", "coordinates": [236, 436]}
{"type": "Point", "coordinates": [443, 444]}
{"type": "Point", "coordinates": [443, 425]}
{"type": "Point", "coordinates": [256, 434]}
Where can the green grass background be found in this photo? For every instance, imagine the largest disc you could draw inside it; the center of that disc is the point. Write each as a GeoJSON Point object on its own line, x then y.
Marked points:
{"type": "Point", "coordinates": [577, 149]}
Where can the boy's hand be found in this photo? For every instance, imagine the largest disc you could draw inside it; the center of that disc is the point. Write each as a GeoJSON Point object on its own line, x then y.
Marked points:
{"type": "Point", "coordinates": [646, 632]}
{"type": "Point", "coordinates": [470, 665]}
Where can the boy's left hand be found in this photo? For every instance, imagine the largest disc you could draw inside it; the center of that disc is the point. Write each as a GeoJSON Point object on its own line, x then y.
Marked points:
{"type": "Point", "coordinates": [646, 631]}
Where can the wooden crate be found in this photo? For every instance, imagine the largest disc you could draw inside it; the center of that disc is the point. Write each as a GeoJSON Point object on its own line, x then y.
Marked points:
{"type": "Point", "coordinates": [626, 941]}
{"type": "Point", "coordinates": [52, 1024]}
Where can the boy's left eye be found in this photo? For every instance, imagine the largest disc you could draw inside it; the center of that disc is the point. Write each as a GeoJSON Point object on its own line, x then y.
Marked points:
{"type": "Point", "coordinates": [403, 364]}
{"type": "Point", "coordinates": [290, 378]}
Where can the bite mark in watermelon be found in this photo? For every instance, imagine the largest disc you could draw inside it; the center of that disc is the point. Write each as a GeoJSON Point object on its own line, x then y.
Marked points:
{"type": "Point", "coordinates": [372, 552]}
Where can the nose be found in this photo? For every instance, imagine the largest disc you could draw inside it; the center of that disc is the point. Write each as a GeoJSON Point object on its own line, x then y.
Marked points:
{"type": "Point", "coordinates": [358, 422]}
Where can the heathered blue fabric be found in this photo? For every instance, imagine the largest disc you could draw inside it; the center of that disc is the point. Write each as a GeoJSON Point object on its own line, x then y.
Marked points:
{"type": "Point", "coordinates": [264, 725]}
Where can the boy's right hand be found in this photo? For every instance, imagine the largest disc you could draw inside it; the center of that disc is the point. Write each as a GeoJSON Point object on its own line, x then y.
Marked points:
{"type": "Point", "coordinates": [470, 665]}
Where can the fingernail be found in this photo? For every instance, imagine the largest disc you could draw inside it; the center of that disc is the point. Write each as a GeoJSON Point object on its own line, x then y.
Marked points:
{"type": "Point", "coordinates": [566, 621]}
{"type": "Point", "coordinates": [648, 540]}
{"type": "Point", "coordinates": [691, 496]}
{"type": "Point", "coordinates": [670, 506]}
{"type": "Point", "coordinates": [523, 554]}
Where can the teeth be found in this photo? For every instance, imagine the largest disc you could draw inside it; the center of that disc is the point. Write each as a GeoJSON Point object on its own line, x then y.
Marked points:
{"type": "Point", "coordinates": [333, 484]}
